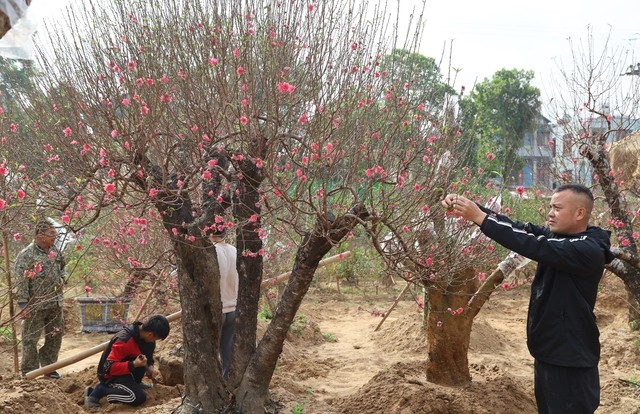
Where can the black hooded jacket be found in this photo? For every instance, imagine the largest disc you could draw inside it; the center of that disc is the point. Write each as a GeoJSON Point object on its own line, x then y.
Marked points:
{"type": "Point", "coordinates": [561, 325]}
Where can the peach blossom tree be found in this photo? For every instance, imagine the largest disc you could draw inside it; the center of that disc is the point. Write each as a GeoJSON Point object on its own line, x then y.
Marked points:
{"type": "Point", "coordinates": [262, 119]}
{"type": "Point", "coordinates": [597, 107]}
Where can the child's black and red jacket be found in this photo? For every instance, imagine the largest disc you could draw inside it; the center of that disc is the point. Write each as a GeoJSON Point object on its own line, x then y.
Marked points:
{"type": "Point", "coordinates": [125, 346]}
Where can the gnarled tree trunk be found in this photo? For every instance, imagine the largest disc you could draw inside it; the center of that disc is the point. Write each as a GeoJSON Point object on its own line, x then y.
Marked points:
{"type": "Point", "coordinates": [449, 323]}
{"type": "Point", "coordinates": [252, 394]}
{"type": "Point", "coordinates": [249, 268]}
{"type": "Point", "coordinates": [199, 283]}
{"type": "Point", "coordinates": [627, 265]}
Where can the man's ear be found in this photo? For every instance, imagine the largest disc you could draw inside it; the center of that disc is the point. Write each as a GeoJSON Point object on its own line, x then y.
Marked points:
{"type": "Point", "coordinates": [581, 213]}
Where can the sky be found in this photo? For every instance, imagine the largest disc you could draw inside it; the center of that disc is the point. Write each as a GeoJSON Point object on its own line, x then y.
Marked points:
{"type": "Point", "coordinates": [488, 35]}
{"type": "Point", "coordinates": [484, 36]}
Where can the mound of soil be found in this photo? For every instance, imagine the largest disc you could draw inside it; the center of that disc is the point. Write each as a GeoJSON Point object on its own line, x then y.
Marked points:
{"type": "Point", "coordinates": [335, 362]}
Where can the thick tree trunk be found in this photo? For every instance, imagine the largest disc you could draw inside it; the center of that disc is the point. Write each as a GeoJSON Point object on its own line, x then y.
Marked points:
{"type": "Point", "coordinates": [252, 394]}
{"type": "Point", "coordinates": [449, 325]}
{"type": "Point", "coordinates": [250, 268]}
{"type": "Point", "coordinates": [199, 284]}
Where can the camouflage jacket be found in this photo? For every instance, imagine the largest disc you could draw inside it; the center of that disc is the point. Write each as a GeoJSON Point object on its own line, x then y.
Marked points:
{"type": "Point", "coordinates": [39, 277]}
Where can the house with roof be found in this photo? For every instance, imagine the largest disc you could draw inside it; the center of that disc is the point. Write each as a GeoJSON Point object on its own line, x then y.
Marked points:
{"type": "Point", "coordinates": [537, 153]}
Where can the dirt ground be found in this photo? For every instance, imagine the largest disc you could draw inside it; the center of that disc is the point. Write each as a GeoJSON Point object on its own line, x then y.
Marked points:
{"type": "Point", "coordinates": [334, 362]}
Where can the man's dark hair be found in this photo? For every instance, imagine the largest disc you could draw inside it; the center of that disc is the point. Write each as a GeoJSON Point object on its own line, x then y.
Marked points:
{"type": "Point", "coordinates": [42, 226]}
{"type": "Point", "coordinates": [157, 324]}
{"type": "Point", "coordinates": [580, 190]}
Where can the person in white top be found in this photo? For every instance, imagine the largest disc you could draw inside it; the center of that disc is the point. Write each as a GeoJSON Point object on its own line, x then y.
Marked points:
{"type": "Point", "coordinates": [227, 255]}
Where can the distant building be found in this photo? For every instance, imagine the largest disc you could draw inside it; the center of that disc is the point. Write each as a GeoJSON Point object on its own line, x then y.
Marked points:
{"type": "Point", "coordinates": [537, 155]}
{"type": "Point", "coordinates": [569, 164]}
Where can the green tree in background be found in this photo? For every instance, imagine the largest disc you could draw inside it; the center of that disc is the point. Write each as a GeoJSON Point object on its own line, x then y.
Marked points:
{"type": "Point", "coordinates": [502, 109]}
{"type": "Point", "coordinates": [420, 75]}
{"type": "Point", "coordinates": [14, 80]}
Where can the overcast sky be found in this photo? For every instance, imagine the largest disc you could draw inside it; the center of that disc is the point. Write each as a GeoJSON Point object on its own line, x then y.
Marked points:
{"type": "Point", "coordinates": [489, 35]}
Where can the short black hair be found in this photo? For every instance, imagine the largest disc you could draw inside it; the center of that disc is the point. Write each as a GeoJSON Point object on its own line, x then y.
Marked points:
{"type": "Point", "coordinates": [42, 226]}
{"type": "Point", "coordinates": [158, 324]}
{"type": "Point", "coordinates": [580, 190]}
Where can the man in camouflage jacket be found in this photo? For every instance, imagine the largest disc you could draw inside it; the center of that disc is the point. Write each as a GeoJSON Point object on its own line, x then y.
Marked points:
{"type": "Point", "coordinates": [39, 271]}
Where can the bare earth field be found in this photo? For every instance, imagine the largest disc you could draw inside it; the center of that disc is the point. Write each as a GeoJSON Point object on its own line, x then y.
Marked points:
{"type": "Point", "coordinates": [334, 362]}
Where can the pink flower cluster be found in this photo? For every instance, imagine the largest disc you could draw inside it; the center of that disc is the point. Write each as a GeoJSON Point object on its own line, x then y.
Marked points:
{"type": "Point", "coordinates": [285, 88]}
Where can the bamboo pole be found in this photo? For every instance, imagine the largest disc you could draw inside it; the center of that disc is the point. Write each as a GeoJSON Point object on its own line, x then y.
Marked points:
{"type": "Point", "coordinates": [281, 278]}
{"type": "Point", "coordinates": [12, 313]}
{"type": "Point", "coordinates": [174, 316]}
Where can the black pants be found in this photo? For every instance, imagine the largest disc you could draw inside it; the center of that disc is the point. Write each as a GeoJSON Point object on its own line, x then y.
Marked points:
{"type": "Point", "coordinates": [122, 389]}
{"type": "Point", "coordinates": [226, 341]}
{"type": "Point", "coordinates": [566, 390]}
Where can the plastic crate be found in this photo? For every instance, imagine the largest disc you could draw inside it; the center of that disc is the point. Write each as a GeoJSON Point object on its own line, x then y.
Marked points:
{"type": "Point", "coordinates": [102, 314]}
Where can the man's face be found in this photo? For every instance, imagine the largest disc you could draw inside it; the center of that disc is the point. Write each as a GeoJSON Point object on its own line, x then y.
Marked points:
{"type": "Point", "coordinates": [149, 336]}
{"type": "Point", "coordinates": [565, 213]}
{"type": "Point", "coordinates": [46, 238]}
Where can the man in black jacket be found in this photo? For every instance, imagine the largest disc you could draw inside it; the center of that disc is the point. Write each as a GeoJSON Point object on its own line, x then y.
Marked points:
{"type": "Point", "coordinates": [562, 334]}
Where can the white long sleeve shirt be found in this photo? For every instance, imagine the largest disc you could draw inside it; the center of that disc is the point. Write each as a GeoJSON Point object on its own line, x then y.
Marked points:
{"type": "Point", "coordinates": [227, 255]}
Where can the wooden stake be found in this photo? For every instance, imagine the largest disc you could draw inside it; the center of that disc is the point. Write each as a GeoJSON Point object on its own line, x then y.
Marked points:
{"type": "Point", "coordinates": [153, 288]}
{"type": "Point", "coordinates": [395, 303]}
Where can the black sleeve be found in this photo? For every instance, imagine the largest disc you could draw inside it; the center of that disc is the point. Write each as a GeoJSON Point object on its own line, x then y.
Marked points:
{"type": "Point", "coordinates": [572, 254]}
{"type": "Point", "coordinates": [528, 227]}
